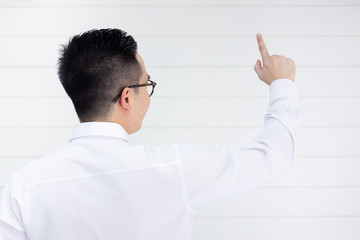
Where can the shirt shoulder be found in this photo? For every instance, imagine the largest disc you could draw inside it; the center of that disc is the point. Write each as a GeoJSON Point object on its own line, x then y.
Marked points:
{"type": "Point", "coordinates": [37, 171]}
{"type": "Point", "coordinates": [78, 160]}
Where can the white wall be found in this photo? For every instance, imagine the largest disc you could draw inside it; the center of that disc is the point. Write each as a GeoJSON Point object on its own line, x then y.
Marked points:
{"type": "Point", "coordinates": [202, 54]}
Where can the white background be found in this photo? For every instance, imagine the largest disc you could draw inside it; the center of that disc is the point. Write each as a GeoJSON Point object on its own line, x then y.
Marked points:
{"type": "Point", "coordinates": [201, 54]}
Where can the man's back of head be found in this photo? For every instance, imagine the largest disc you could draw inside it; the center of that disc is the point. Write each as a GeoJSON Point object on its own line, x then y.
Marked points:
{"type": "Point", "coordinates": [94, 67]}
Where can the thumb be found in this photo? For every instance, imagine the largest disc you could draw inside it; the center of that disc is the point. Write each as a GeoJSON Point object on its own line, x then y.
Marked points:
{"type": "Point", "coordinates": [258, 68]}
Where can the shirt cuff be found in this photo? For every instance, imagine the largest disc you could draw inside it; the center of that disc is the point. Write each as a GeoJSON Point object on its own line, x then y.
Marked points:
{"type": "Point", "coordinates": [283, 88]}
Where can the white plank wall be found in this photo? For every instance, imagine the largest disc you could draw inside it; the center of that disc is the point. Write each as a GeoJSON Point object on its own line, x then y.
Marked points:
{"type": "Point", "coordinates": [201, 54]}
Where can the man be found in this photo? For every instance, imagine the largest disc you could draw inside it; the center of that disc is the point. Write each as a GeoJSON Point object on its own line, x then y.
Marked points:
{"type": "Point", "coordinates": [99, 186]}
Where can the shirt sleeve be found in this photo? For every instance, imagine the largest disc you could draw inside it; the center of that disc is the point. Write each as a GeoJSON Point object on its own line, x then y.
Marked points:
{"type": "Point", "coordinates": [212, 174]}
{"type": "Point", "coordinates": [11, 227]}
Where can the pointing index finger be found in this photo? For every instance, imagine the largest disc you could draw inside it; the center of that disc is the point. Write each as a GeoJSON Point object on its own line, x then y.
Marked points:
{"type": "Point", "coordinates": [263, 50]}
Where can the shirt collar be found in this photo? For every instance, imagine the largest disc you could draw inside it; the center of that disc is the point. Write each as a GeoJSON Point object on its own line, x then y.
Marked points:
{"type": "Point", "coordinates": [103, 129]}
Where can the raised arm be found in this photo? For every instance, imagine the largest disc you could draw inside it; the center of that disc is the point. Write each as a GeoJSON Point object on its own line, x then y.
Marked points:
{"type": "Point", "coordinates": [212, 174]}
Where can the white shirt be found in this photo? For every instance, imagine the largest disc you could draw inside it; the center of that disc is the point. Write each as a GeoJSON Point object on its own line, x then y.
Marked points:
{"type": "Point", "coordinates": [99, 186]}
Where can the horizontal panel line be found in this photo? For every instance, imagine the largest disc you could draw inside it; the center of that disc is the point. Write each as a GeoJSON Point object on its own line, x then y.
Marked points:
{"type": "Point", "coordinates": [327, 156]}
{"type": "Point", "coordinates": [199, 36]}
{"type": "Point", "coordinates": [310, 187]}
{"type": "Point", "coordinates": [245, 126]}
{"type": "Point", "coordinates": [204, 66]}
{"type": "Point", "coordinates": [279, 217]}
{"type": "Point", "coordinates": [296, 187]}
{"type": "Point", "coordinates": [235, 97]}
{"type": "Point", "coordinates": [193, 96]}
{"type": "Point", "coordinates": [176, 5]}
{"type": "Point", "coordinates": [296, 156]}
{"type": "Point", "coordinates": [193, 127]}
{"type": "Point", "coordinates": [197, 66]}
{"type": "Point", "coordinates": [242, 97]}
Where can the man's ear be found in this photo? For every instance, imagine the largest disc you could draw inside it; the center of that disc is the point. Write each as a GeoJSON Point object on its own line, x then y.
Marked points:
{"type": "Point", "coordinates": [124, 99]}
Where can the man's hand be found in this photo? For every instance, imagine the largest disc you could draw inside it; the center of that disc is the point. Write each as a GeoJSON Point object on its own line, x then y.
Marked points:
{"type": "Point", "coordinates": [274, 66]}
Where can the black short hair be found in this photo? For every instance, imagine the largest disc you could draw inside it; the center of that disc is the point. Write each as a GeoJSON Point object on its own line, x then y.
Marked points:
{"type": "Point", "coordinates": [93, 68]}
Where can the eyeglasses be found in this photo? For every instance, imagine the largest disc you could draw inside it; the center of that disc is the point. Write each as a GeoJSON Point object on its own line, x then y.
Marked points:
{"type": "Point", "coordinates": [150, 86]}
